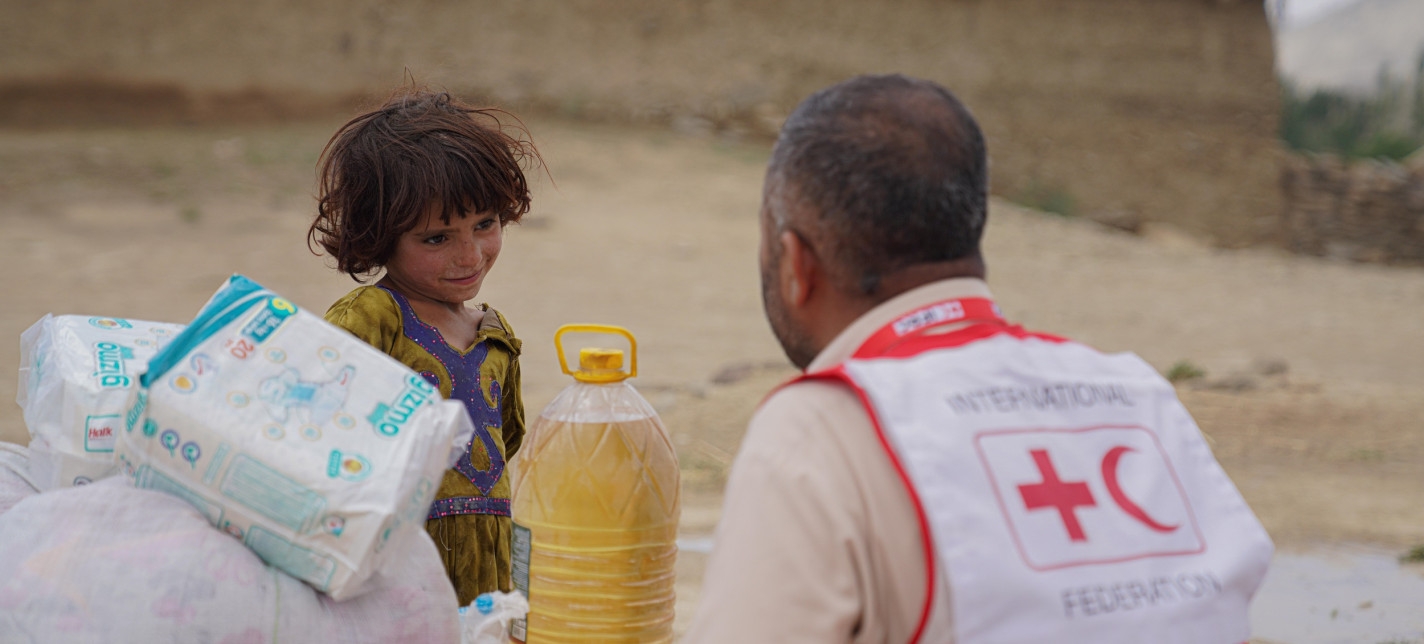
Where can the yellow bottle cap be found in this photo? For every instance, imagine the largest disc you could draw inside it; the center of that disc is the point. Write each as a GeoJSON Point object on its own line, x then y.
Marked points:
{"type": "Point", "coordinates": [600, 365]}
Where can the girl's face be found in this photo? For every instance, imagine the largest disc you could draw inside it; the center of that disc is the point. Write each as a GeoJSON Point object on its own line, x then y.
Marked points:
{"type": "Point", "coordinates": [446, 263]}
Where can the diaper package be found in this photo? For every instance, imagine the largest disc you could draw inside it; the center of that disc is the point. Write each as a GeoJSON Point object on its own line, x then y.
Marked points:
{"type": "Point", "coordinates": [76, 375]}
{"type": "Point", "coordinates": [295, 437]}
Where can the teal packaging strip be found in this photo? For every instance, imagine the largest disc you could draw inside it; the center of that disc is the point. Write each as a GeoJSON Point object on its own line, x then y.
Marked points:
{"type": "Point", "coordinates": [306, 565]}
{"type": "Point", "coordinates": [228, 304]}
{"type": "Point", "coordinates": [272, 494]}
{"type": "Point", "coordinates": [136, 411]}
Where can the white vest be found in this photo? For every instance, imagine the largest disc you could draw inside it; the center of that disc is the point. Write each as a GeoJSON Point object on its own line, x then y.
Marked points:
{"type": "Point", "coordinates": [1068, 493]}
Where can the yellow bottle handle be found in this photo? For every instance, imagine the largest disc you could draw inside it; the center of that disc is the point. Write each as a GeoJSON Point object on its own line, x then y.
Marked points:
{"type": "Point", "coordinates": [596, 328]}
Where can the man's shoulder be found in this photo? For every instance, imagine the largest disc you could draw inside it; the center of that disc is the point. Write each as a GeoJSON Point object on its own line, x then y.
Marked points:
{"type": "Point", "coordinates": [808, 421]}
{"type": "Point", "coordinates": [807, 398]}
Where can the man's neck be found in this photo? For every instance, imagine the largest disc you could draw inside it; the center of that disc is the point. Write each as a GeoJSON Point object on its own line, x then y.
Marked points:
{"type": "Point", "coordinates": [841, 309]}
{"type": "Point", "coordinates": [917, 275]}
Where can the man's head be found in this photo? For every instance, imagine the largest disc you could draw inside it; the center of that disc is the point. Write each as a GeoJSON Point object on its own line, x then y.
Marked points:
{"type": "Point", "coordinates": [876, 185]}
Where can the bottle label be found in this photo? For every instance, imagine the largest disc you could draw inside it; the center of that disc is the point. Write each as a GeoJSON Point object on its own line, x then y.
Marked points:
{"type": "Point", "coordinates": [519, 548]}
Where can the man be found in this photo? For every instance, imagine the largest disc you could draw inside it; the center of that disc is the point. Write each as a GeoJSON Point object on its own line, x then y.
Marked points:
{"type": "Point", "coordinates": [938, 474]}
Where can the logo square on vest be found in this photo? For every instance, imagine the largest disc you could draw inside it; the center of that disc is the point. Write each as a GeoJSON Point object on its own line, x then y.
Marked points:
{"type": "Point", "coordinates": [1094, 495]}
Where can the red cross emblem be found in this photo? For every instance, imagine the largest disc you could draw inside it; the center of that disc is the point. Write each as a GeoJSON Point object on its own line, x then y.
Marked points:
{"type": "Point", "coordinates": [1093, 495]}
{"type": "Point", "coordinates": [1053, 493]}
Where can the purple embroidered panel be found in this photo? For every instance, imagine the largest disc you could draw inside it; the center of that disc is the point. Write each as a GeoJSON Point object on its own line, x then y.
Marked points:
{"type": "Point", "coordinates": [464, 370]}
{"type": "Point", "coordinates": [468, 505]}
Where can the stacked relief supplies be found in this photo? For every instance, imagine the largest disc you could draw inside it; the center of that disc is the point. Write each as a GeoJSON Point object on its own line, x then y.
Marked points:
{"type": "Point", "coordinates": [312, 448]}
{"type": "Point", "coordinates": [76, 375]}
{"type": "Point", "coordinates": [259, 439]}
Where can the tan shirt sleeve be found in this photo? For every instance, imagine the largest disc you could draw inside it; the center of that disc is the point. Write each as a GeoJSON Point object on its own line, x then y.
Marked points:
{"type": "Point", "coordinates": [818, 540]}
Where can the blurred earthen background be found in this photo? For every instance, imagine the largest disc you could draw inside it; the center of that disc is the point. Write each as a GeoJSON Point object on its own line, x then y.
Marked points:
{"type": "Point", "coordinates": [1126, 111]}
{"type": "Point", "coordinates": [150, 148]}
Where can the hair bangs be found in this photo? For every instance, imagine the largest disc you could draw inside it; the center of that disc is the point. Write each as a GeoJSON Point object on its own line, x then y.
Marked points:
{"type": "Point", "coordinates": [385, 169]}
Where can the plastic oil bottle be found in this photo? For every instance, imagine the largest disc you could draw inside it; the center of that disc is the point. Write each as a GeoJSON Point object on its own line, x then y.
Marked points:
{"type": "Point", "coordinates": [596, 505]}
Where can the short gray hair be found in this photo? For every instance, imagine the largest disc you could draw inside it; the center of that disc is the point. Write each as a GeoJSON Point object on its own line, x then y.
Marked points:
{"type": "Point", "coordinates": [894, 168]}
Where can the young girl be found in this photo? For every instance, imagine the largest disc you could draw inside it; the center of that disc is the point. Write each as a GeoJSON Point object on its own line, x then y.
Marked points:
{"type": "Point", "coordinates": [422, 189]}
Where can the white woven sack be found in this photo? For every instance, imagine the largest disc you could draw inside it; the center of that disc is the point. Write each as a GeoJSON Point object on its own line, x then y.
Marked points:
{"type": "Point", "coordinates": [76, 376]}
{"type": "Point", "coordinates": [310, 446]}
{"type": "Point", "coordinates": [16, 484]}
{"type": "Point", "coordinates": [109, 563]}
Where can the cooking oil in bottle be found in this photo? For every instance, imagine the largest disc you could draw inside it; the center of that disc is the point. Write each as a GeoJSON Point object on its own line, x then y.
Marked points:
{"type": "Point", "coordinates": [596, 504]}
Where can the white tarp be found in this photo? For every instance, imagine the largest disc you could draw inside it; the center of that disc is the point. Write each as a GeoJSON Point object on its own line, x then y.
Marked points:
{"type": "Point", "coordinates": [111, 563]}
{"type": "Point", "coordinates": [16, 484]}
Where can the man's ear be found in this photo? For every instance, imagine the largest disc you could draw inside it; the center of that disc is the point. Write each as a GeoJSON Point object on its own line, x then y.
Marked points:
{"type": "Point", "coordinates": [803, 270]}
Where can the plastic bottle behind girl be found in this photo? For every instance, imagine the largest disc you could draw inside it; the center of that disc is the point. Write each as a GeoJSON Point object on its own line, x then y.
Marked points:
{"type": "Point", "coordinates": [596, 506]}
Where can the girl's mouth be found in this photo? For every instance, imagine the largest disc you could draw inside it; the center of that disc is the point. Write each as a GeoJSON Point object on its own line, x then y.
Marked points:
{"type": "Point", "coordinates": [466, 281]}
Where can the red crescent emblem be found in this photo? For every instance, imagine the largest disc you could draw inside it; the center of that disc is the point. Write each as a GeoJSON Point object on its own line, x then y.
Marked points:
{"type": "Point", "coordinates": [1110, 478]}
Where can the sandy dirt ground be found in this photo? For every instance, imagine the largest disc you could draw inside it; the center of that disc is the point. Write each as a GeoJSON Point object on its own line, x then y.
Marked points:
{"type": "Point", "coordinates": [1314, 371]}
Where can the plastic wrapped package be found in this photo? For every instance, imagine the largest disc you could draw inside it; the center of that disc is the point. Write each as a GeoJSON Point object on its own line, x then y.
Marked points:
{"type": "Point", "coordinates": [76, 376]}
{"type": "Point", "coordinates": [488, 619]}
{"type": "Point", "coordinates": [16, 484]}
{"type": "Point", "coordinates": [111, 563]}
{"type": "Point", "coordinates": [295, 437]}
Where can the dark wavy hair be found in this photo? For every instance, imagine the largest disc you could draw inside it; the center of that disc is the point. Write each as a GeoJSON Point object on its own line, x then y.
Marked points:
{"type": "Point", "coordinates": [383, 170]}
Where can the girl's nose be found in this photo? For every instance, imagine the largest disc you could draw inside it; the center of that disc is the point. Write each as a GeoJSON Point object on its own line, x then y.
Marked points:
{"type": "Point", "coordinates": [470, 252]}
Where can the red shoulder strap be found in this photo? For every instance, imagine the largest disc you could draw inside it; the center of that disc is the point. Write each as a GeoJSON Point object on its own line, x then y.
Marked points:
{"type": "Point", "coordinates": [838, 374]}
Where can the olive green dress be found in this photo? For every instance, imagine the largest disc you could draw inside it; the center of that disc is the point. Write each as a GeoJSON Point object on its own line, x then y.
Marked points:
{"type": "Point", "coordinates": [469, 521]}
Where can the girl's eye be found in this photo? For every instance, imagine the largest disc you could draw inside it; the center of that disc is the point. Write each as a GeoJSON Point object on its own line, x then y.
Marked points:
{"type": "Point", "coordinates": [486, 224]}
{"type": "Point", "coordinates": [434, 239]}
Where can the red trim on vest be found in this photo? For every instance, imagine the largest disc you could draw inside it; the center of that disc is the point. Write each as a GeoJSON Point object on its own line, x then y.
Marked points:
{"type": "Point", "coordinates": [910, 340]}
{"type": "Point", "coordinates": [912, 347]}
{"type": "Point", "coordinates": [927, 542]}
{"type": "Point", "coordinates": [915, 323]}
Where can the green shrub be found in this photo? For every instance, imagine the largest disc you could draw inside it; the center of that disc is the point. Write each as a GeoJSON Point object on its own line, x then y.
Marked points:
{"type": "Point", "coordinates": [1048, 197]}
{"type": "Point", "coordinates": [1388, 124]}
{"type": "Point", "coordinates": [1184, 371]}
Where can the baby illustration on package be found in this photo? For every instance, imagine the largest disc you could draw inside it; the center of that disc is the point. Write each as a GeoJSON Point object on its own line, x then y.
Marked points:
{"type": "Point", "coordinates": [320, 401]}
